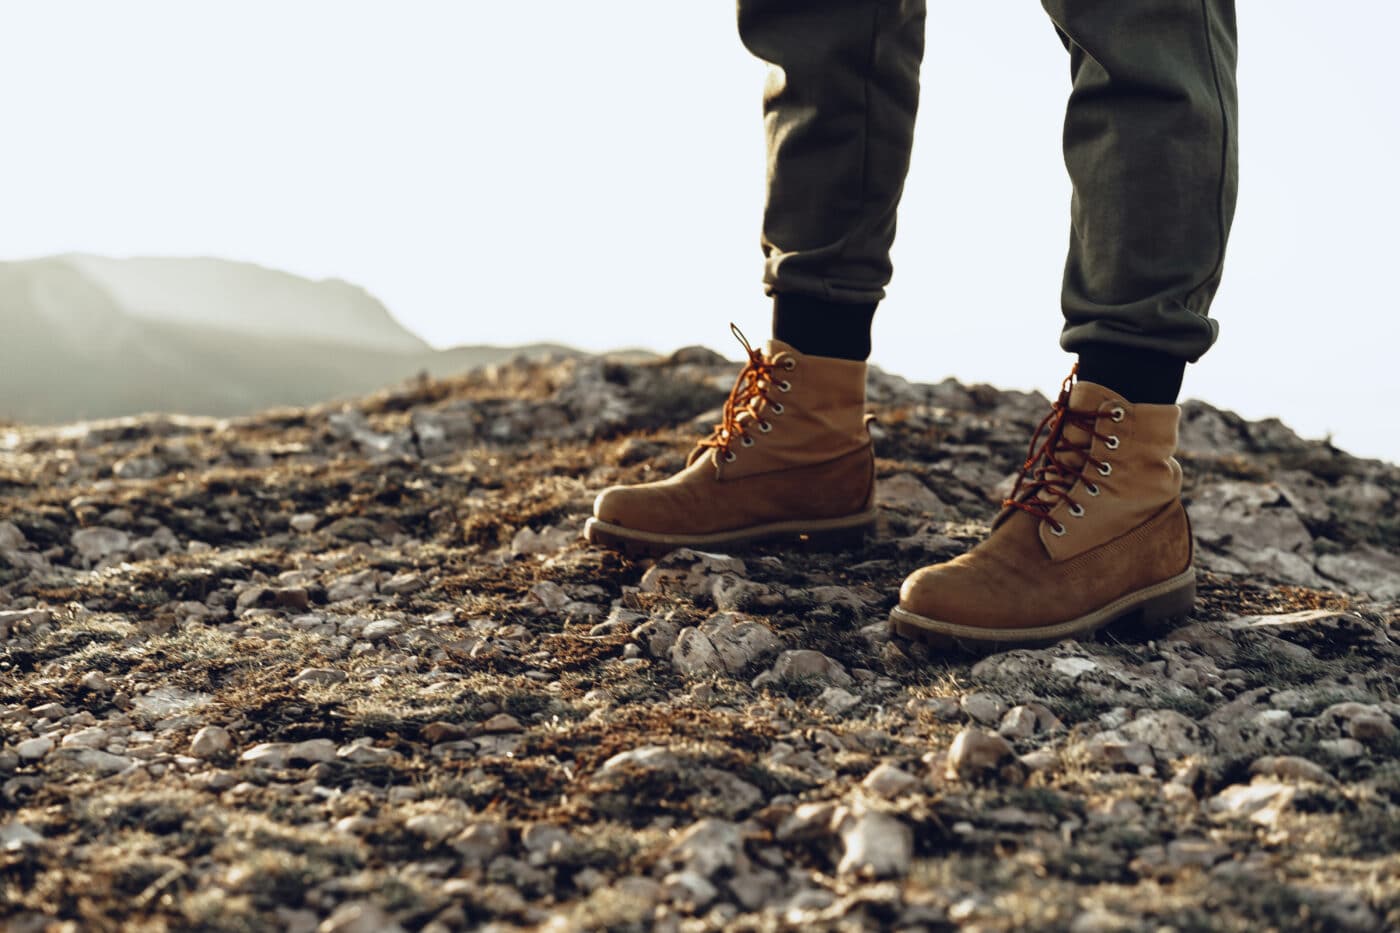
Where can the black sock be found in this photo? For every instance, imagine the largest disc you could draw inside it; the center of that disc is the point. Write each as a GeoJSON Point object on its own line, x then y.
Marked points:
{"type": "Point", "coordinates": [1146, 377]}
{"type": "Point", "coordinates": [819, 327]}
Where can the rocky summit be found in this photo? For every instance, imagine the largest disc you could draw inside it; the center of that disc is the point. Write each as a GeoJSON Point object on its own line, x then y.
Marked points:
{"type": "Point", "coordinates": [351, 668]}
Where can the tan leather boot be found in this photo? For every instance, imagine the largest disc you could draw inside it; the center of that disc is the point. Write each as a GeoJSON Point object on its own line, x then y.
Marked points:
{"type": "Point", "coordinates": [1094, 530]}
{"type": "Point", "coordinates": [791, 459]}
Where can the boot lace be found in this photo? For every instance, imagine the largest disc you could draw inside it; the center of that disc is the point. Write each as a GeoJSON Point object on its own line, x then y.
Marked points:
{"type": "Point", "coordinates": [1054, 466]}
{"type": "Point", "coordinates": [748, 397]}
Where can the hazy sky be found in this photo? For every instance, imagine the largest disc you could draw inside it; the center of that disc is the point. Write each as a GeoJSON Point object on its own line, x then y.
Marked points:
{"type": "Point", "coordinates": [592, 173]}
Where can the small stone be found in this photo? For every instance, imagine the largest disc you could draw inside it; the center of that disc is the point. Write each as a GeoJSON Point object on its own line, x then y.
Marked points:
{"type": "Point", "coordinates": [808, 821]}
{"type": "Point", "coordinates": [281, 754]}
{"type": "Point", "coordinates": [171, 701]}
{"type": "Point", "coordinates": [875, 844]}
{"type": "Point", "coordinates": [15, 837]}
{"type": "Point", "coordinates": [694, 654]}
{"type": "Point", "coordinates": [1342, 749]}
{"type": "Point", "coordinates": [435, 732]}
{"type": "Point", "coordinates": [481, 842]}
{"type": "Point", "coordinates": [708, 847]}
{"type": "Point", "coordinates": [320, 676]}
{"type": "Point", "coordinates": [1291, 766]}
{"type": "Point", "coordinates": [359, 917]}
{"type": "Point", "coordinates": [1112, 750]}
{"type": "Point", "coordinates": [92, 737]}
{"type": "Point", "coordinates": [837, 701]}
{"type": "Point", "coordinates": [362, 752]}
{"type": "Point", "coordinates": [690, 891]}
{"type": "Point", "coordinates": [1024, 721]}
{"type": "Point", "coordinates": [805, 663]}
{"type": "Point", "coordinates": [1100, 920]}
{"type": "Point", "coordinates": [404, 584]}
{"type": "Point", "coordinates": [502, 722]}
{"type": "Point", "coordinates": [1041, 759]}
{"type": "Point", "coordinates": [100, 762]}
{"type": "Point", "coordinates": [985, 708]}
{"type": "Point", "coordinates": [34, 749]}
{"type": "Point", "coordinates": [94, 681]}
{"type": "Point", "coordinates": [50, 711]}
{"type": "Point", "coordinates": [550, 595]}
{"type": "Point", "coordinates": [303, 522]}
{"type": "Point", "coordinates": [975, 753]}
{"type": "Point", "coordinates": [888, 781]}
{"type": "Point", "coordinates": [11, 538]}
{"type": "Point", "coordinates": [1260, 802]}
{"type": "Point", "coordinates": [657, 636]}
{"type": "Point", "coordinates": [210, 741]}
{"type": "Point", "coordinates": [435, 827]}
{"type": "Point", "coordinates": [95, 543]}
{"type": "Point", "coordinates": [380, 629]}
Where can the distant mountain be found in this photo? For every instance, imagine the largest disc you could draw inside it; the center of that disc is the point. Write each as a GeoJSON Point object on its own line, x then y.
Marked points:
{"type": "Point", "coordinates": [91, 337]}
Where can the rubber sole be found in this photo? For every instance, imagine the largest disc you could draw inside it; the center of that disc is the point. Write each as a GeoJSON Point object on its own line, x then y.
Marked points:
{"type": "Point", "coordinates": [1155, 605]}
{"type": "Point", "coordinates": [829, 534]}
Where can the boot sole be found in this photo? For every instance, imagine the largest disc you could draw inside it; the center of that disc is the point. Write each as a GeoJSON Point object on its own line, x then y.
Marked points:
{"type": "Point", "coordinates": [1168, 601]}
{"type": "Point", "coordinates": [829, 534]}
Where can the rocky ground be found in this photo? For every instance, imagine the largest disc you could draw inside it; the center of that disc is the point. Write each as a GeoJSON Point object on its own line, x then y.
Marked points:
{"type": "Point", "coordinates": [352, 669]}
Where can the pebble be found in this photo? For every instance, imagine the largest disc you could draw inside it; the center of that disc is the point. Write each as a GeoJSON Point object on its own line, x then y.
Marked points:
{"type": "Point", "coordinates": [282, 754]}
{"type": "Point", "coordinates": [320, 677]}
{"type": "Point", "coordinates": [15, 837]}
{"type": "Point", "coordinates": [210, 741]}
{"type": "Point", "coordinates": [805, 663]}
{"type": "Point", "coordinates": [985, 708]}
{"type": "Point", "coordinates": [1261, 801]}
{"type": "Point", "coordinates": [975, 753]}
{"type": "Point", "coordinates": [888, 781]}
{"type": "Point", "coordinates": [502, 722]}
{"type": "Point", "coordinates": [380, 629]}
{"type": "Point", "coordinates": [874, 844]}
{"type": "Point", "coordinates": [34, 749]}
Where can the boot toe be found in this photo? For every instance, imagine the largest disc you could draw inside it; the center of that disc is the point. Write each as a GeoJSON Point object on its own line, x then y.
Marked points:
{"type": "Point", "coordinates": [615, 505]}
{"type": "Point", "coordinates": [923, 593]}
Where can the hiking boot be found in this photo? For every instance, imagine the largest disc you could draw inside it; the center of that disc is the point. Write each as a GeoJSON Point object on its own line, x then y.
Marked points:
{"type": "Point", "coordinates": [791, 458]}
{"type": "Point", "coordinates": [1095, 530]}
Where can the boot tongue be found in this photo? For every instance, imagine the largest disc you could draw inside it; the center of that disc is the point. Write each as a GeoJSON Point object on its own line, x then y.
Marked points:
{"type": "Point", "coordinates": [775, 346]}
{"type": "Point", "coordinates": [1076, 439]}
{"type": "Point", "coordinates": [1087, 397]}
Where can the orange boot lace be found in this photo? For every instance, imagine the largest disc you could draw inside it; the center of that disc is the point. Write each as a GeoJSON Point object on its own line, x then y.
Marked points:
{"type": "Point", "coordinates": [1052, 468]}
{"type": "Point", "coordinates": [749, 397]}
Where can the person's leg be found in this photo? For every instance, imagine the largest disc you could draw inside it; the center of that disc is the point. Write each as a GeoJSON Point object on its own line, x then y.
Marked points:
{"type": "Point", "coordinates": [839, 108]}
{"type": "Point", "coordinates": [1095, 528]}
{"type": "Point", "coordinates": [791, 455]}
{"type": "Point", "coordinates": [1150, 143]}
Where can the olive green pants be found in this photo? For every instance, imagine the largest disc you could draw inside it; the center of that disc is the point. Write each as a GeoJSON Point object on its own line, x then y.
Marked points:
{"type": "Point", "coordinates": [1149, 141]}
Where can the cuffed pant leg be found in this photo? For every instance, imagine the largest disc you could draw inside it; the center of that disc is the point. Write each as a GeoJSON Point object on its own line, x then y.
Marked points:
{"type": "Point", "coordinates": [1150, 144]}
{"type": "Point", "coordinates": [839, 108]}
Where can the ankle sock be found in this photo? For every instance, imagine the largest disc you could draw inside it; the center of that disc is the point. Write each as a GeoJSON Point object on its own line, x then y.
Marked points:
{"type": "Point", "coordinates": [818, 327]}
{"type": "Point", "coordinates": [1143, 377]}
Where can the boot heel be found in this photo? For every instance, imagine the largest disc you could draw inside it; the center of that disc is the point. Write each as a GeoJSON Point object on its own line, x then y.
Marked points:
{"type": "Point", "coordinates": [1169, 607]}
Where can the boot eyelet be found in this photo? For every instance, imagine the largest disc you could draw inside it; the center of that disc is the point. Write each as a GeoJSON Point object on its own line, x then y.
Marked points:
{"type": "Point", "coordinates": [765, 427]}
{"type": "Point", "coordinates": [730, 456]}
{"type": "Point", "coordinates": [1112, 442]}
{"type": "Point", "coordinates": [775, 407]}
{"type": "Point", "coordinates": [1058, 530]}
{"type": "Point", "coordinates": [747, 441]}
{"type": "Point", "coordinates": [1117, 415]}
{"type": "Point", "coordinates": [1105, 469]}
{"type": "Point", "coordinates": [1077, 510]}
{"type": "Point", "coordinates": [785, 386]}
{"type": "Point", "coordinates": [1091, 489]}
{"type": "Point", "coordinates": [789, 364]}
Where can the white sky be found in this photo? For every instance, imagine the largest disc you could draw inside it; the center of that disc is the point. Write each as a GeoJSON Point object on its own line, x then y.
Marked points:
{"type": "Point", "coordinates": [592, 174]}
